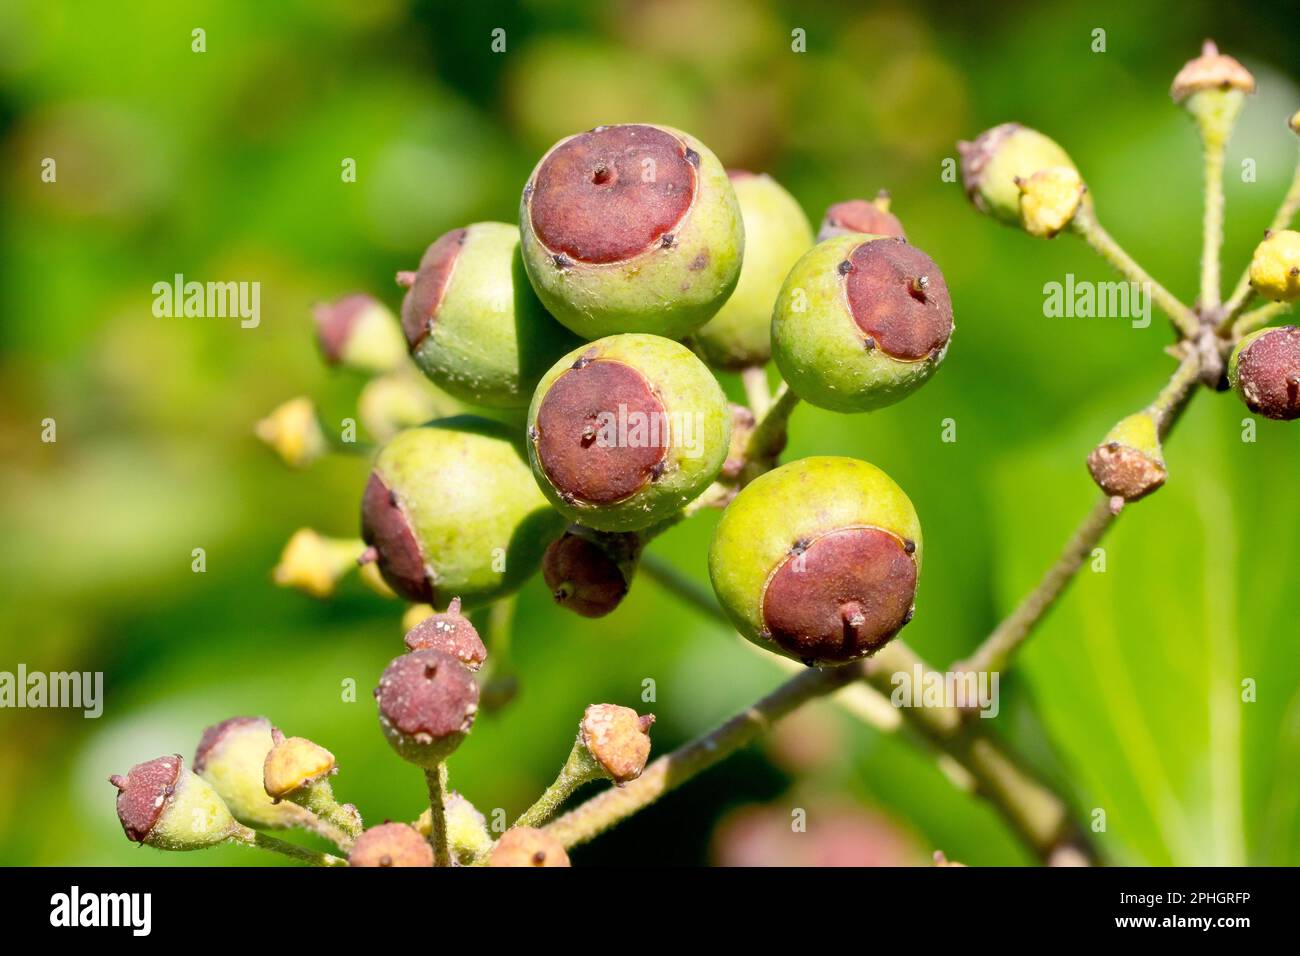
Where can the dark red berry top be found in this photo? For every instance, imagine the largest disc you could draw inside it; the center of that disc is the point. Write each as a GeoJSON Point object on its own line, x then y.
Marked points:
{"type": "Point", "coordinates": [1268, 374]}
{"type": "Point", "coordinates": [858, 215]}
{"type": "Point", "coordinates": [143, 794]}
{"type": "Point", "coordinates": [840, 596]}
{"type": "Point", "coordinates": [452, 633]}
{"type": "Point", "coordinates": [428, 693]}
{"type": "Point", "coordinates": [420, 306]}
{"type": "Point", "coordinates": [385, 526]}
{"type": "Point", "coordinates": [589, 439]}
{"type": "Point", "coordinates": [898, 298]}
{"type": "Point", "coordinates": [613, 192]}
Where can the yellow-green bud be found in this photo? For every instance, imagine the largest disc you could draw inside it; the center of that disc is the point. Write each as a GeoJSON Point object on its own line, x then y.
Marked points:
{"type": "Point", "coordinates": [994, 165]}
{"type": "Point", "coordinates": [293, 432]}
{"type": "Point", "coordinates": [1049, 199]}
{"type": "Point", "coordinates": [314, 564]}
{"type": "Point", "coordinates": [1275, 268]}
{"type": "Point", "coordinates": [231, 757]}
{"type": "Point", "coordinates": [1129, 463]}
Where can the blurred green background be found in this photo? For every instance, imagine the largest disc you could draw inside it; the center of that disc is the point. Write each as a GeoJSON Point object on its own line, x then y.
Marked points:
{"type": "Point", "coordinates": [226, 165]}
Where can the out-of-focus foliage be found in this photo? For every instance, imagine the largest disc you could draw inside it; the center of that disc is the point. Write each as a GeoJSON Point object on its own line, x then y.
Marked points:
{"type": "Point", "coordinates": [226, 165]}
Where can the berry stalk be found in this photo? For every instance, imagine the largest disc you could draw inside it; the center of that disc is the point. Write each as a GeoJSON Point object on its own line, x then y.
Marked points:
{"type": "Point", "coordinates": [437, 780]}
{"type": "Point", "coordinates": [250, 837]}
{"type": "Point", "coordinates": [1258, 318]}
{"type": "Point", "coordinates": [578, 769]}
{"type": "Point", "coordinates": [1086, 224]}
{"type": "Point", "coordinates": [1212, 225]}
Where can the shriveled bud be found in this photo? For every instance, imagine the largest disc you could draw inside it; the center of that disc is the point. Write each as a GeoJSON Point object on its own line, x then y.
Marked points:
{"type": "Point", "coordinates": [1265, 371]}
{"type": "Point", "coordinates": [294, 433]}
{"type": "Point", "coordinates": [1211, 70]}
{"type": "Point", "coordinates": [618, 739]}
{"type": "Point", "coordinates": [427, 703]}
{"type": "Point", "coordinates": [589, 572]}
{"type": "Point", "coordinates": [450, 632]}
{"type": "Point", "coordinates": [231, 757]}
{"type": "Point", "coordinates": [860, 216]}
{"type": "Point", "coordinates": [359, 332]}
{"type": "Point", "coordinates": [391, 844]}
{"type": "Point", "coordinates": [166, 806]}
{"type": "Point", "coordinates": [1049, 199]}
{"type": "Point", "coordinates": [1275, 268]}
{"type": "Point", "coordinates": [293, 764]}
{"type": "Point", "coordinates": [314, 564]}
{"type": "Point", "coordinates": [527, 846]}
{"type": "Point", "coordinates": [1129, 463]}
{"type": "Point", "coordinates": [992, 164]}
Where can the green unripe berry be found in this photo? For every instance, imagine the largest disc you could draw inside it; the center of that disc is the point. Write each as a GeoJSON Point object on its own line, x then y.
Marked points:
{"type": "Point", "coordinates": [1265, 371]}
{"type": "Point", "coordinates": [1213, 88]}
{"type": "Point", "coordinates": [1129, 463]}
{"type": "Point", "coordinates": [472, 321]}
{"type": "Point", "coordinates": [162, 804]}
{"type": "Point", "coordinates": [631, 228]}
{"type": "Point", "coordinates": [1275, 267]}
{"type": "Point", "coordinates": [231, 757]}
{"type": "Point", "coordinates": [999, 160]}
{"type": "Point", "coordinates": [626, 430]}
{"type": "Point", "coordinates": [361, 333]}
{"type": "Point", "coordinates": [777, 233]}
{"type": "Point", "coordinates": [861, 322]}
{"type": "Point", "coordinates": [818, 560]}
{"type": "Point", "coordinates": [451, 509]}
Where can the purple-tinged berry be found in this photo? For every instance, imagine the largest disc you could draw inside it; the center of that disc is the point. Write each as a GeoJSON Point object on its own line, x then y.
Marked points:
{"type": "Point", "coordinates": [631, 228]}
{"type": "Point", "coordinates": [818, 560]}
{"type": "Point", "coordinates": [1129, 463]}
{"type": "Point", "coordinates": [166, 806]}
{"type": "Point", "coordinates": [589, 572]}
{"type": "Point", "coordinates": [1265, 371]}
{"type": "Point", "coordinates": [450, 632]}
{"type": "Point", "coordinates": [427, 704]}
{"type": "Point", "coordinates": [860, 217]}
{"type": "Point", "coordinates": [391, 844]}
{"type": "Point", "coordinates": [360, 332]}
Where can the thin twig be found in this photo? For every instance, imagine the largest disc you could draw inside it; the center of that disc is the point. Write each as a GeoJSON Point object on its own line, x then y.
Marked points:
{"type": "Point", "coordinates": [250, 837]}
{"type": "Point", "coordinates": [1256, 319]}
{"type": "Point", "coordinates": [999, 647]}
{"type": "Point", "coordinates": [769, 436]}
{"type": "Point", "coordinates": [1085, 223]}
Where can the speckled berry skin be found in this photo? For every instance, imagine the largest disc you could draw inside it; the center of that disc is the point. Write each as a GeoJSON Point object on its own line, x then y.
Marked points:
{"type": "Point", "coordinates": [777, 233]}
{"type": "Point", "coordinates": [998, 157]}
{"type": "Point", "coordinates": [1265, 372]}
{"type": "Point", "coordinates": [854, 351]}
{"type": "Point", "coordinates": [447, 504]}
{"type": "Point", "coordinates": [605, 476]}
{"type": "Point", "coordinates": [811, 508]}
{"type": "Point", "coordinates": [391, 845]}
{"type": "Point", "coordinates": [473, 323]}
{"type": "Point", "coordinates": [163, 804]}
{"type": "Point", "coordinates": [631, 228]}
{"type": "Point", "coordinates": [427, 704]}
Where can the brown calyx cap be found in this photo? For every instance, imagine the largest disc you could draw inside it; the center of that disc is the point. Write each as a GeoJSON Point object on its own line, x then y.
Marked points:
{"type": "Point", "coordinates": [427, 695]}
{"type": "Point", "coordinates": [144, 792]}
{"type": "Point", "coordinates": [215, 736]}
{"type": "Point", "coordinates": [859, 215]}
{"type": "Point", "coordinates": [335, 321]}
{"type": "Point", "coordinates": [577, 427]}
{"type": "Point", "coordinates": [977, 154]}
{"type": "Point", "coordinates": [1268, 374]}
{"type": "Point", "coordinates": [841, 596]}
{"type": "Point", "coordinates": [898, 298]}
{"type": "Point", "coordinates": [585, 570]}
{"type": "Point", "coordinates": [294, 763]}
{"type": "Point", "coordinates": [1125, 472]}
{"type": "Point", "coordinates": [593, 201]}
{"type": "Point", "coordinates": [391, 844]}
{"type": "Point", "coordinates": [450, 632]}
{"type": "Point", "coordinates": [618, 738]}
{"type": "Point", "coordinates": [1211, 70]}
{"type": "Point", "coordinates": [527, 846]}
{"type": "Point", "coordinates": [426, 289]}
{"type": "Point", "coordinates": [385, 527]}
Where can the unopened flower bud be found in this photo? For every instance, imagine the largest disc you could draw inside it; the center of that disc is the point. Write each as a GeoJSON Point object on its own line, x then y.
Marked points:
{"type": "Point", "coordinates": [527, 846]}
{"type": "Point", "coordinates": [166, 806]}
{"type": "Point", "coordinates": [1275, 268]}
{"type": "Point", "coordinates": [1211, 70]}
{"type": "Point", "coordinates": [359, 332]}
{"type": "Point", "coordinates": [450, 632]}
{"type": "Point", "coordinates": [299, 770]}
{"type": "Point", "coordinates": [1049, 199]}
{"type": "Point", "coordinates": [427, 703]}
{"type": "Point", "coordinates": [1129, 463]}
{"type": "Point", "coordinates": [861, 216]}
{"type": "Point", "coordinates": [231, 757]}
{"type": "Point", "coordinates": [994, 165]}
{"type": "Point", "coordinates": [618, 739]}
{"type": "Point", "coordinates": [294, 433]}
{"type": "Point", "coordinates": [391, 844]}
{"type": "Point", "coordinates": [314, 564]}
{"type": "Point", "coordinates": [589, 572]}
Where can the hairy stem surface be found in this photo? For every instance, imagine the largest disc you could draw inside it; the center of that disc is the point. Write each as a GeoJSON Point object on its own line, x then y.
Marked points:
{"type": "Point", "coordinates": [1256, 319]}
{"type": "Point", "coordinates": [250, 837]}
{"type": "Point", "coordinates": [437, 781]}
{"type": "Point", "coordinates": [1212, 229]}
